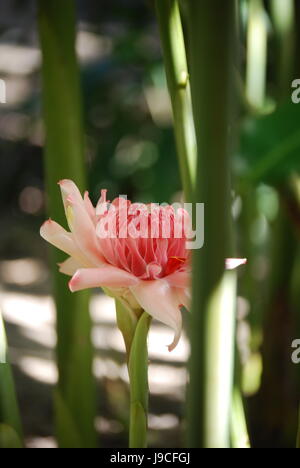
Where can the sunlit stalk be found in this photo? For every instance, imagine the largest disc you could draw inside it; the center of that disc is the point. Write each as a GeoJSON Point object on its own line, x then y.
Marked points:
{"type": "Point", "coordinates": [283, 14]}
{"type": "Point", "coordinates": [64, 158]}
{"type": "Point", "coordinates": [173, 46]}
{"type": "Point", "coordinates": [256, 54]}
{"type": "Point", "coordinates": [211, 26]}
{"type": "Point", "coordinates": [239, 430]}
{"type": "Point", "coordinates": [10, 424]}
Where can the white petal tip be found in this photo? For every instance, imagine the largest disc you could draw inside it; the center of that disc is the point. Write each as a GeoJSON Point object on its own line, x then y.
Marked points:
{"type": "Point", "coordinates": [44, 227]}
{"type": "Point", "coordinates": [73, 283]}
{"type": "Point", "coordinates": [63, 182]}
{"type": "Point", "coordinates": [232, 263]}
{"type": "Point", "coordinates": [174, 342]}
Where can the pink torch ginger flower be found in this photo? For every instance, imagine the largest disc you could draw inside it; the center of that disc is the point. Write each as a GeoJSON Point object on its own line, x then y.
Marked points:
{"type": "Point", "coordinates": [122, 247]}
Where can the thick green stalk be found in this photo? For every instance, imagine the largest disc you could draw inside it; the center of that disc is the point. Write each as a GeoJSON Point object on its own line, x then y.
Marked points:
{"type": "Point", "coordinates": [173, 46]}
{"type": "Point", "coordinates": [64, 158]}
{"type": "Point", "coordinates": [211, 30]}
{"type": "Point", "coordinates": [10, 424]}
{"type": "Point", "coordinates": [239, 430]}
{"type": "Point", "coordinates": [135, 330]}
{"type": "Point", "coordinates": [138, 374]}
{"type": "Point", "coordinates": [275, 411]}
{"type": "Point", "coordinates": [283, 14]}
{"type": "Point", "coordinates": [256, 55]}
{"type": "Point", "coordinates": [127, 322]}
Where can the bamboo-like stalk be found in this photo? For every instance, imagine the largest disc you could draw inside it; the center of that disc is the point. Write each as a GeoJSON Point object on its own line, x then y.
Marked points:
{"type": "Point", "coordinates": [134, 329]}
{"type": "Point", "coordinates": [211, 30]}
{"type": "Point", "coordinates": [239, 430]}
{"type": "Point", "coordinates": [138, 374]}
{"type": "Point", "coordinates": [275, 411]}
{"type": "Point", "coordinates": [255, 91]}
{"type": "Point", "coordinates": [295, 191]}
{"type": "Point", "coordinates": [256, 55]}
{"type": "Point", "coordinates": [172, 39]}
{"type": "Point", "coordinates": [283, 14]}
{"type": "Point", "coordinates": [64, 158]}
{"type": "Point", "coordinates": [10, 423]}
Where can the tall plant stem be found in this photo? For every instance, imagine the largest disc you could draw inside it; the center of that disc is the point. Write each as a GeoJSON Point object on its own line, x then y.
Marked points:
{"type": "Point", "coordinates": [64, 158]}
{"type": "Point", "coordinates": [275, 410]}
{"type": "Point", "coordinates": [211, 30]}
{"type": "Point", "coordinates": [138, 374]}
{"type": "Point", "coordinates": [10, 424]}
{"type": "Point", "coordinates": [172, 39]}
{"type": "Point", "coordinates": [239, 429]}
{"type": "Point", "coordinates": [135, 332]}
{"type": "Point", "coordinates": [283, 14]}
{"type": "Point", "coordinates": [256, 55]}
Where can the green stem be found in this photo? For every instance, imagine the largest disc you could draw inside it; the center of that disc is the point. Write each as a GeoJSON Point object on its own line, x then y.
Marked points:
{"type": "Point", "coordinates": [239, 430]}
{"type": "Point", "coordinates": [10, 424]}
{"type": "Point", "coordinates": [64, 158]}
{"type": "Point", "coordinates": [127, 322]}
{"type": "Point", "coordinates": [172, 39]}
{"type": "Point", "coordinates": [138, 375]}
{"type": "Point", "coordinates": [283, 14]}
{"type": "Point", "coordinates": [135, 330]}
{"type": "Point", "coordinates": [275, 410]}
{"type": "Point", "coordinates": [256, 55]}
{"type": "Point", "coordinates": [211, 25]}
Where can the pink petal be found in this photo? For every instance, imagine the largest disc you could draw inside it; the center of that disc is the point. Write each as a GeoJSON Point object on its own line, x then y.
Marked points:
{"type": "Point", "coordinates": [84, 232]}
{"type": "Point", "coordinates": [69, 191]}
{"type": "Point", "coordinates": [232, 263]}
{"type": "Point", "coordinates": [80, 222]}
{"type": "Point", "coordinates": [184, 297]}
{"type": "Point", "coordinates": [153, 271]}
{"type": "Point", "coordinates": [101, 207]}
{"type": "Point", "coordinates": [106, 275]}
{"type": "Point", "coordinates": [69, 266]}
{"type": "Point", "coordinates": [161, 251]}
{"type": "Point", "coordinates": [89, 206]}
{"type": "Point", "coordinates": [160, 301]}
{"type": "Point", "coordinates": [180, 279]}
{"type": "Point", "coordinates": [55, 234]}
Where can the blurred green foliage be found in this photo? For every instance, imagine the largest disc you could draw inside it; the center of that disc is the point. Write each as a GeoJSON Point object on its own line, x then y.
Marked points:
{"type": "Point", "coordinates": [270, 145]}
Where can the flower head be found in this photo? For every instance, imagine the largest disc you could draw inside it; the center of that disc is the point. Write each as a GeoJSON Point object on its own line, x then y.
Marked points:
{"type": "Point", "coordinates": [136, 252]}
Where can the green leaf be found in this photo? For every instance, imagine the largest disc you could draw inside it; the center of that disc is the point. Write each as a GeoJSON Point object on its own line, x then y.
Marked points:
{"type": "Point", "coordinates": [270, 145]}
